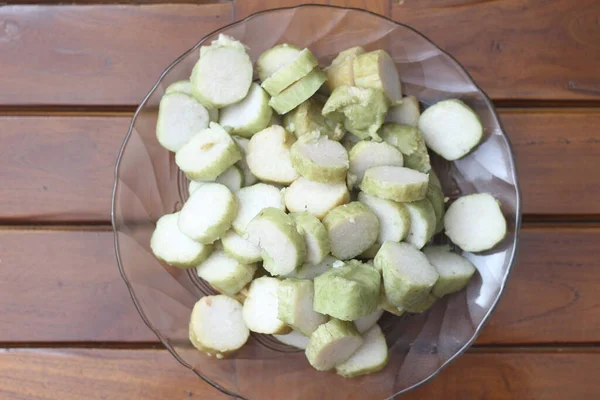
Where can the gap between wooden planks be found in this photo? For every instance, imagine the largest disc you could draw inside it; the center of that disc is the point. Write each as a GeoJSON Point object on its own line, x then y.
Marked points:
{"type": "Point", "coordinates": [154, 374]}
{"type": "Point", "coordinates": [61, 169]}
{"type": "Point", "coordinates": [70, 289]}
{"type": "Point", "coordinates": [71, 55]}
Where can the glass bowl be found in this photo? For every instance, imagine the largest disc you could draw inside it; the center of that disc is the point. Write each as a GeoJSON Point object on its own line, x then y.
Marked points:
{"type": "Point", "coordinates": [148, 184]}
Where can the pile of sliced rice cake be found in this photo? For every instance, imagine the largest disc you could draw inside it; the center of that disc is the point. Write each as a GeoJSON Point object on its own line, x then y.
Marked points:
{"type": "Point", "coordinates": [312, 202]}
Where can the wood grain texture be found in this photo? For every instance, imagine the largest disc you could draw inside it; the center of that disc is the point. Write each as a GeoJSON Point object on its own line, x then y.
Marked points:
{"type": "Point", "coordinates": [512, 376]}
{"type": "Point", "coordinates": [244, 8]}
{"type": "Point", "coordinates": [97, 54]}
{"type": "Point", "coordinates": [504, 44]}
{"type": "Point", "coordinates": [98, 375]}
{"type": "Point", "coordinates": [70, 289]}
{"type": "Point", "coordinates": [60, 286]}
{"type": "Point", "coordinates": [63, 286]}
{"type": "Point", "coordinates": [110, 2]}
{"type": "Point", "coordinates": [557, 152]}
{"type": "Point", "coordinates": [61, 168]}
{"type": "Point", "coordinates": [71, 374]}
{"type": "Point", "coordinates": [382, 7]}
{"type": "Point", "coordinates": [551, 294]}
{"type": "Point", "coordinates": [499, 42]}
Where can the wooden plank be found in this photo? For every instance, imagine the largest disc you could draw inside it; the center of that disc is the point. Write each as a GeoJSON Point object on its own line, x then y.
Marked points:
{"type": "Point", "coordinates": [154, 374]}
{"type": "Point", "coordinates": [382, 7]}
{"type": "Point", "coordinates": [97, 54]}
{"type": "Point", "coordinates": [77, 294]}
{"type": "Point", "coordinates": [73, 374]}
{"type": "Point", "coordinates": [499, 43]}
{"type": "Point", "coordinates": [516, 376]}
{"type": "Point", "coordinates": [110, 2]}
{"type": "Point", "coordinates": [503, 44]}
{"type": "Point", "coordinates": [551, 294]}
{"type": "Point", "coordinates": [61, 168]}
{"type": "Point", "coordinates": [557, 152]}
{"type": "Point", "coordinates": [244, 8]}
{"type": "Point", "coordinates": [64, 286]}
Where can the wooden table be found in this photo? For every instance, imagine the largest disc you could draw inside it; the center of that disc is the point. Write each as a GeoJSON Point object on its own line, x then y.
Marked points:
{"type": "Point", "coordinates": [70, 79]}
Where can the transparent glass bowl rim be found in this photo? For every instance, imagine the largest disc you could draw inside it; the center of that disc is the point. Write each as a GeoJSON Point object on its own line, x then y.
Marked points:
{"type": "Point", "coordinates": [488, 104]}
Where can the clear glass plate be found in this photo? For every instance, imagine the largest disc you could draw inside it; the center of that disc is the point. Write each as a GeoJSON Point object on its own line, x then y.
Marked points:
{"type": "Point", "coordinates": [148, 184]}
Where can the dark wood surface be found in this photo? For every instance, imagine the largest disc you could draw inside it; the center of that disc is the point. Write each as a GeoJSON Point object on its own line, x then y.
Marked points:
{"type": "Point", "coordinates": [66, 55]}
{"type": "Point", "coordinates": [154, 375]}
{"type": "Point", "coordinates": [98, 374]}
{"type": "Point", "coordinates": [519, 374]}
{"type": "Point", "coordinates": [61, 168]}
{"type": "Point", "coordinates": [77, 295]}
{"type": "Point", "coordinates": [553, 56]}
{"type": "Point", "coordinates": [70, 78]}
